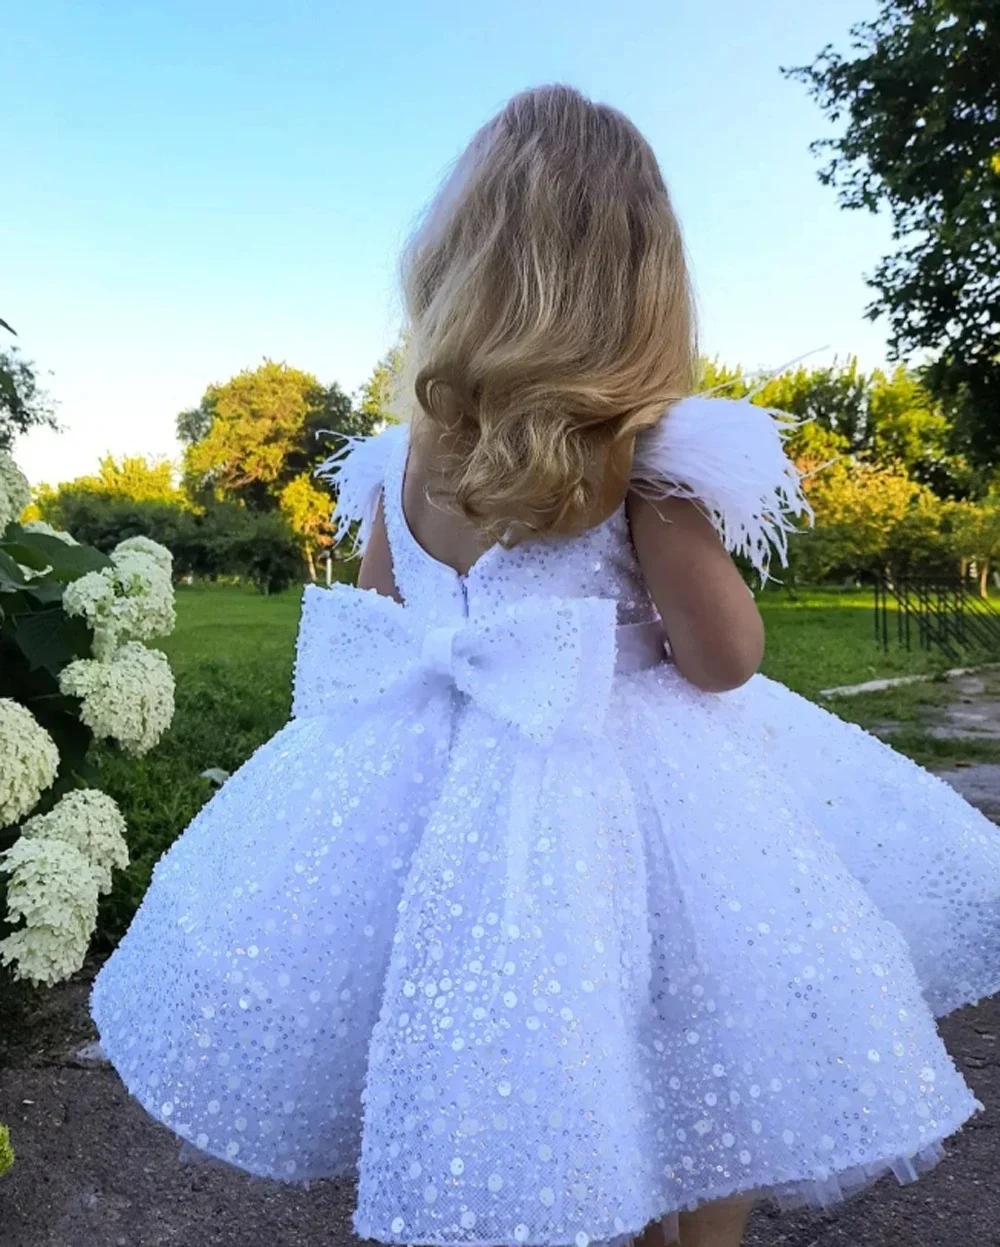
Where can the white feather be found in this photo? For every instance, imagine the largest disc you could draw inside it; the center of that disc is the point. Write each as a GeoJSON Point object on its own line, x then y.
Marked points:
{"type": "Point", "coordinates": [729, 456]}
{"type": "Point", "coordinates": [357, 471]}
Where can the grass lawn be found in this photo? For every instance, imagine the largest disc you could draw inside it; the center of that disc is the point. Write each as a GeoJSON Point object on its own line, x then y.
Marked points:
{"type": "Point", "coordinates": [822, 638]}
{"type": "Point", "coordinates": [232, 656]}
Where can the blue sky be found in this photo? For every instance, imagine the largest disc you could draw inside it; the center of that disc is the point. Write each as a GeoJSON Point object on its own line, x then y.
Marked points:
{"type": "Point", "coordinates": [199, 184]}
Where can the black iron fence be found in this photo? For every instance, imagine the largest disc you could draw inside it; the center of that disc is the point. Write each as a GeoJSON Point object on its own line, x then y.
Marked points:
{"type": "Point", "coordinates": [936, 614]}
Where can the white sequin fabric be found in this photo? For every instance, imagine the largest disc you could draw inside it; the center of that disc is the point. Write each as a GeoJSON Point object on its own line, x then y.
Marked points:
{"type": "Point", "coordinates": [542, 951]}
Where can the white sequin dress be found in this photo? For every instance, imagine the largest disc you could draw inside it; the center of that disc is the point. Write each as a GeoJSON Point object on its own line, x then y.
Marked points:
{"type": "Point", "coordinates": [537, 939]}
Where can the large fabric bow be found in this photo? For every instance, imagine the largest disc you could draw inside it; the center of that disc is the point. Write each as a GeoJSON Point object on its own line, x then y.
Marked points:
{"type": "Point", "coordinates": [538, 664]}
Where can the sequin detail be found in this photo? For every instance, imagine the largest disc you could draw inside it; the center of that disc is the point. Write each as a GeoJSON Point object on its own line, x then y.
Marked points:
{"type": "Point", "coordinates": [547, 992]}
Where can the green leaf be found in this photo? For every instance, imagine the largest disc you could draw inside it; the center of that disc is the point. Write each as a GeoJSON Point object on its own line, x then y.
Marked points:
{"type": "Point", "coordinates": [40, 551]}
{"type": "Point", "coordinates": [9, 328]}
{"type": "Point", "coordinates": [51, 639]}
{"type": "Point", "coordinates": [10, 573]}
{"type": "Point", "coordinates": [45, 591]}
{"type": "Point", "coordinates": [23, 552]}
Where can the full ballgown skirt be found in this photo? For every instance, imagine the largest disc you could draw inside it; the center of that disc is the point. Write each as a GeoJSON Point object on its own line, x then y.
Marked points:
{"type": "Point", "coordinates": [543, 959]}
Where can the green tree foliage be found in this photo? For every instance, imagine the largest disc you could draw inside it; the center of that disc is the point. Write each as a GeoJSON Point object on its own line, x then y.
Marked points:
{"type": "Point", "coordinates": [252, 435]}
{"type": "Point", "coordinates": [869, 518]}
{"type": "Point", "coordinates": [257, 439]}
{"type": "Point", "coordinates": [375, 402]}
{"type": "Point", "coordinates": [888, 418]}
{"type": "Point", "coordinates": [919, 99]}
{"type": "Point", "coordinates": [308, 510]}
{"type": "Point", "coordinates": [221, 539]}
{"type": "Point", "coordinates": [23, 403]}
{"type": "Point", "coordinates": [133, 478]}
{"type": "Point", "coordinates": [874, 449]}
{"type": "Point", "coordinates": [974, 535]}
{"type": "Point", "coordinates": [261, 434]}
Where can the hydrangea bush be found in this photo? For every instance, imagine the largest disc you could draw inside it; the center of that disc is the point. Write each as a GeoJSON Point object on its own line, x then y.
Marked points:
{"type": "Point", "coordinates": [73, 668]}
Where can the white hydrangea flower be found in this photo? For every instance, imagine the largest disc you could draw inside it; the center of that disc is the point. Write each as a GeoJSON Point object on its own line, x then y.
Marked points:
{"type": "Point", "coordinates": [132, 600]}
{"type": "Point", "coordinates": [15, 492]}
{"type": "Point", "coordinates": [53, 888]}
{"type": "Point", "coordinates": [40, 526]}
{"type": "Point", "coordinates": [29, 760]}
{"type": "Point", "coordinates": [152, 549]}
{"type": "Point", "coordinates": [90, 821]}
{"type": "Point", "coordinates": [93, 597]}
{"type": "Point", "coordinates": [129, 697]}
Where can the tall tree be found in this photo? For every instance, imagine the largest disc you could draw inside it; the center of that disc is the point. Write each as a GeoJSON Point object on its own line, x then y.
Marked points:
{"type": "Point", "coordinates": [24, 404]}
{"type": "Point", "coordinates": [257, 438]}
{"type": "Point", "coordinates": [252, 435]}
{"type": "Point", "coordinates": [307, 508]}
{"type": "Point", "coordinates": [919, 96]}
{"type": "Point", "coordinates": [375, 403]}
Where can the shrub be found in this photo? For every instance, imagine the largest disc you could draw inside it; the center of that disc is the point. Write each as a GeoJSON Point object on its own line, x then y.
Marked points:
{"type": "Point", "coordinates": [72, 620]}
{"type": "Point", "coordinates": [221, 539]}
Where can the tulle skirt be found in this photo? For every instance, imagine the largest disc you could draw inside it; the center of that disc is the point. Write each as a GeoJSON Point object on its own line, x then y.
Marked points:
{"type": "Point", "coordinates": [547, 995]}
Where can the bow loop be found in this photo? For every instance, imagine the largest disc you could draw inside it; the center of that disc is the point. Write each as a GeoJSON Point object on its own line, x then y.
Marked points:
{"type": "Point", "coordinates": [539, 665]}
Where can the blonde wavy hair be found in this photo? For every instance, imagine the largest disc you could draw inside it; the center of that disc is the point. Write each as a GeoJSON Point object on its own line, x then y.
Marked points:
{"type": "Point", "coordinates": [550, 316]}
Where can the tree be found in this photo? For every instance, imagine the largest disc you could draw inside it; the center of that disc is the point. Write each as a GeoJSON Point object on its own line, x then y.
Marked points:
{"type": "Point", "coordinates": [307, 510]}
{"type": "Point", "coordinates": [258, 438]}
{"type": "Point", "coordinates": [920, 98]}
{"type": "Point", "coordinates": [133, 478]}
{"type": "Point", "coordinates": [909, 427]}
{"type": "Point", "coordinates": [975, 535]}
{"type": "Point", "coordinates": [23, 404]}
{"type": "Point", "coordinates": [254, 434]}
{"type": "Point", "coordinates": [868, 518]}
{"type": "Point", "coordinates": [885, 418]}
{"type": "Point", "coordinates": [377, 397]}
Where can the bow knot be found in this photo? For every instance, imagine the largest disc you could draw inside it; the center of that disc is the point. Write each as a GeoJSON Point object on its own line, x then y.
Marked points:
{"type": "Point", "coordinates": [437, 652]}
{"type": "Point", "coordinates": [539, 664]}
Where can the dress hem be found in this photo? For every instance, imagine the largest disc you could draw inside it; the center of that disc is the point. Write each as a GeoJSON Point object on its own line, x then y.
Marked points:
{"type": "Point", "coordinates": [817, 1190]}
{"type": "Point", "coordinates": [905, 1167]}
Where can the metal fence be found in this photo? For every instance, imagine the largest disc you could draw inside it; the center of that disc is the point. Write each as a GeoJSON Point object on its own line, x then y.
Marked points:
{"type": "Point", "coordinates": [935, 614]}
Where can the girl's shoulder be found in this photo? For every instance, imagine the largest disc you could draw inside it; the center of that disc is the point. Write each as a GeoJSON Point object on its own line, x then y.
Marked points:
{"type": "Point", "coordinates": [729, 456]}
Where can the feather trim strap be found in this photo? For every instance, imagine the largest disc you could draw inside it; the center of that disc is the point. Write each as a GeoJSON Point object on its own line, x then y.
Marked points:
{"type": "Point", "coordinates": [357, 472]}
{"type": "Point", "coordinates": [728, 455]}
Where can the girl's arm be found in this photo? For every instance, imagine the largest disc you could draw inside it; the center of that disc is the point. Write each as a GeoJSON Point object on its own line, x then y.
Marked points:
{"type": "Point", "coordinates": [712, 622]}
{"type": "Point", "coordinates": [376, 566]}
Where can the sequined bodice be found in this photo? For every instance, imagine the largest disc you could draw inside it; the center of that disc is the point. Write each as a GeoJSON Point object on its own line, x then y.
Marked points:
{"type": "Point", "coordinates": [600, 562]}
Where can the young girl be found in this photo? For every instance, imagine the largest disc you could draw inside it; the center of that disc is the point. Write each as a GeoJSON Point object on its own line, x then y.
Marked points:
{"type": "Point", "coordinates": [547, 936]}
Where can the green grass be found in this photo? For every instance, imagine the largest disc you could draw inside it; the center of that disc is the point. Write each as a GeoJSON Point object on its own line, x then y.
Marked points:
{"type": "Point", "coordinates": [823, 638]}
{"type": "Point", "coordinates": [235, 626]}
{"type": "Point", "coordinates": [232, 656]}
